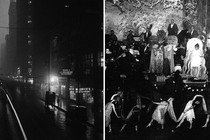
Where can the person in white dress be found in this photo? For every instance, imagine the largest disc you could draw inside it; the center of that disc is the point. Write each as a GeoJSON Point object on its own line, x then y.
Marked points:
{"type": "Point", "coordinates": [160, 111]}
{"type": "Point", "coordinates": [189, 113]}
{"type": "Point", "coordinates": [109, 108]}
{"type": "Point", "coordinates": [115, 101]}
{"type": "Point", "coordinates": [195, 61]}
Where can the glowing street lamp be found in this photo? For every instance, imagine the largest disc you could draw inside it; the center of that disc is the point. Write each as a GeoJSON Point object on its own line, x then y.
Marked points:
{"type": "Point", "coordinates": [53, 79]}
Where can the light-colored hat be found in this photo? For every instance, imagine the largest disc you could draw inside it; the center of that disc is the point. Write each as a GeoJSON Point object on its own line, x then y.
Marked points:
{"type": "Point", "coordinates": [178, 67]}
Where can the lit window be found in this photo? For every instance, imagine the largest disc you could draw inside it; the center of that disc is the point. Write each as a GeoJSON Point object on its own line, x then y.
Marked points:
{"type": "Point", "coordinates": [91, 59]}
{"type": "Point", "coordinates": [29, 2]}
{"type": "Point", "coordinates": [29, 71]}
{"type": "Point", "coordinates": [29, 21]}
{"type": "Point", "coordinates": [66, 6]}
{"type": "Point", "coordinates": [30, 63]}
{"type": "Point", "coordinates": [63, 89]}
{"type": "Point", "coordinates": [29, 36]}
{"type": "Point", "coordinates": [87, 63]}
{"type": "Point", "coordinates": [29, 42]}
{"type": "Point", "coordinates": [100, 59]}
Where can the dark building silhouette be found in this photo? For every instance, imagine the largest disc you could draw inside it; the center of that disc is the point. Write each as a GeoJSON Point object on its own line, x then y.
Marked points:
{"type": "Point", "coordinates": [11, 39]}
{"type": "Point", "coordinates": [20, 40]}
{"type": "Point", "coordinates": [24, 39]}
{"type": "Point", "coordinates": [68, 44]}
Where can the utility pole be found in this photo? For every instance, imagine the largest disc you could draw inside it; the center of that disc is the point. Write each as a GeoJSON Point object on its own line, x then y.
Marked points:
{"type": "Point", "coordinates": [49, 68]}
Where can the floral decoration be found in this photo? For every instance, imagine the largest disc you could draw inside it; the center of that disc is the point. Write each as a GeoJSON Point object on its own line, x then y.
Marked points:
{"type": "Point", "coordinates": [136, 15]}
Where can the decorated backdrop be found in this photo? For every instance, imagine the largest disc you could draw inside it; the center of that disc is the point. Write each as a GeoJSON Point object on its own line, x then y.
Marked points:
{"type": "Point", "coordinates": [124, 15]}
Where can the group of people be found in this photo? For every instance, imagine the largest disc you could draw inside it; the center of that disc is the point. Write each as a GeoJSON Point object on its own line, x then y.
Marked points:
{"type": "Point", "coordinates": [160, 56]}
{"type": "Point", "coordinates": [133, 117]}
{"type": "Point", "coordinates": [179, 108]}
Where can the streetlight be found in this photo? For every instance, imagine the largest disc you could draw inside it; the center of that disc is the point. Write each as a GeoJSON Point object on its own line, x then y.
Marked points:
{"type": "Point", "coordinates": [53, 79]}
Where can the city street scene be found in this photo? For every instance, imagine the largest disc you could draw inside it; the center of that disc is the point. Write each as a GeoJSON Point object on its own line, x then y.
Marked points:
{"type": "Point", "coordinates": [157, 62]}
{"type": "Point", "coordinates": [51, 70]}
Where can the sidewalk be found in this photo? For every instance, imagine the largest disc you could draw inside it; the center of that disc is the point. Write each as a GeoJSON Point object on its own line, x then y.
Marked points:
{"type": "Point", "coordinates": [93, 120]}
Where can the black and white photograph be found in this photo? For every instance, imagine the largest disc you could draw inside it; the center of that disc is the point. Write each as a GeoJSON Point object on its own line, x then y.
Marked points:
{"type": "Point", "coordinates": [157, 65]}
{"type": "Point", "coordinates": [51, 70]}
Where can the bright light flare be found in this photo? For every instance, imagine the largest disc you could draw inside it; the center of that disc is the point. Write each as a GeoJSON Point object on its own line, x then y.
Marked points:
{"type": "Point", "coordinates": [53, 79]}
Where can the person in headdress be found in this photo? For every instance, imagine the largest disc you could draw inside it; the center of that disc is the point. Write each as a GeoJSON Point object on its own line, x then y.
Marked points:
{"type": "Point", "coordinates": [196, 61]}
{"type": "Point", "coordinates": [156, 60]}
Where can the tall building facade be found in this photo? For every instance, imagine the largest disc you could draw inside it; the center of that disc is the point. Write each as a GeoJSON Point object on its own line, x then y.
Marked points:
{"type": "Point", "coordinates": [24, 39]}
{"type": "Point", "coordinates": [71, 52]}
{"type": "Point", "coordinates": [11, 39]}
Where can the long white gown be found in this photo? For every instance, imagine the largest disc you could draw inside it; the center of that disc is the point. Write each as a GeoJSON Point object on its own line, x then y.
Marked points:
{"type": "Point", "coordinates": [108, 111]}
{"type": "Point", "coordinates": [196, 58]}
{"type": "Point", "coordinates": [159, 113]}
{"type": "Point", "coordinates": [189, 111]}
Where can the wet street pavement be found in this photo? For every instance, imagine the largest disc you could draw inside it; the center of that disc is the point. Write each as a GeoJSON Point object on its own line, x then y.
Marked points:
{"type": "Point", "coordinates": [39, 122]}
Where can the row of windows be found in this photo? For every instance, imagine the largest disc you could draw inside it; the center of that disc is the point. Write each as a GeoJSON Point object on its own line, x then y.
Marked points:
{"type": "Point", "coordinates": [29, 19]}
{"type": "Point", "coordinates": [65, 5]}
{"type": "Point", "coordinates": [100, 59]}
{"type": "Point", "coordinates": [88, 62]}
{"type": "Point", "coordinates": [29, 40]}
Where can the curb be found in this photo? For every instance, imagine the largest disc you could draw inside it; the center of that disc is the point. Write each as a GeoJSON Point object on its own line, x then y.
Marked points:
{"type": "Point", "coordinates": [63, 110]}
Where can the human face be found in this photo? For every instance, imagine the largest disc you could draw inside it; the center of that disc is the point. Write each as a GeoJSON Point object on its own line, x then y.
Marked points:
{"type": "Point", "coordinates": [196, 47]}
{"type": "Point", "coordinates": [172, 21]}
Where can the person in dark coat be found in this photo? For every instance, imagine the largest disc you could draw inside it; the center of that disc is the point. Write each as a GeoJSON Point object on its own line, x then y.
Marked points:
{"type": "Point", "coordinates": [113, 37]}
{"type": "Point", "coordinates": [193, 33]}
{"type": "Point", "coordinates": [183, 34]}
{"type": "Point", "coordinates": [147, 35]}
{"type": "Point", "coordinates": [172, 28]}
{"type": "Point", "coordinates": [130, 38]}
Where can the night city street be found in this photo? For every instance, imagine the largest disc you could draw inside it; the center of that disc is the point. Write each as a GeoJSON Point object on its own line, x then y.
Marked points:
{"type": "Point", "coordinates": [51, 70]}
{"type": "Point", "coordinates": [38, 121]}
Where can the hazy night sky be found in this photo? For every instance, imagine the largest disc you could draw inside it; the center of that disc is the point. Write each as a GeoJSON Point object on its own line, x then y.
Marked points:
{"type": "Point", "coordinates": [4, 30]}
{"type": "Point", "coordinates": [4, 19]}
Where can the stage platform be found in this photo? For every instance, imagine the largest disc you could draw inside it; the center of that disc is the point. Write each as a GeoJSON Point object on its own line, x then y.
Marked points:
{"type": "Point", "coordinates": [197, 84]}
